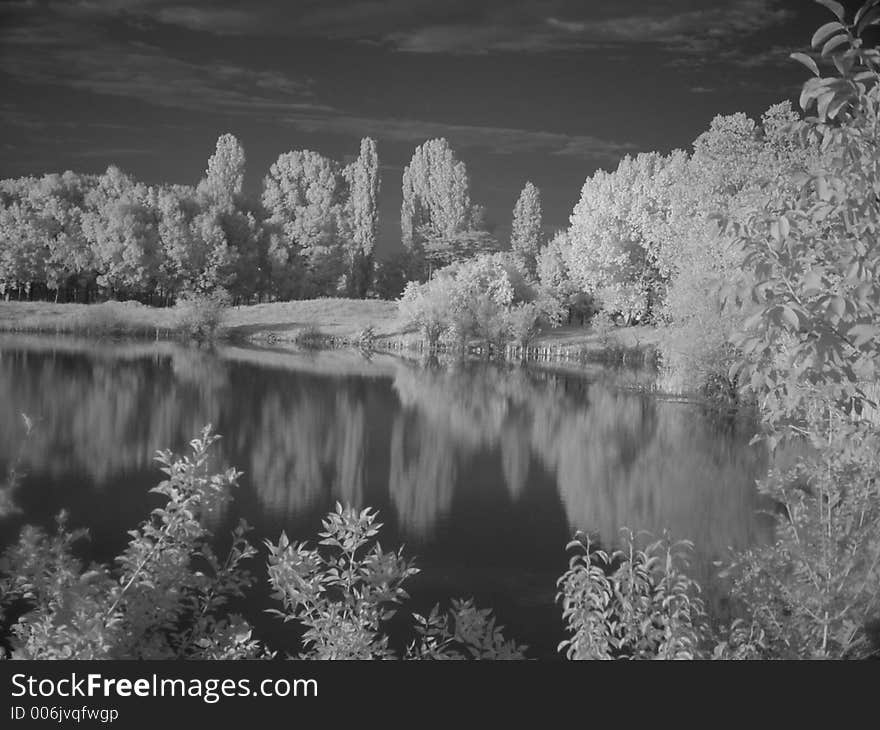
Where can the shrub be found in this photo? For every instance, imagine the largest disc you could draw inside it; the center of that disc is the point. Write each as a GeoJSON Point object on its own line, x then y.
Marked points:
{"type": "Point", "coordinates": [427, 306]}
{"type": "Point", "coordinates": [808, 348]}
{"type": "Point", "coordinates": [346, 589]}
{"type": "Point", "coordinates": [166, 595]}
{"type": "Point", "coordinates": [631, 604]}
{"type": "Point", "coordinates": [475, 299]}
{"type": "Point", "coordinates": [815, 591]}
{"type": "Point", "coordinates": [201, 316]}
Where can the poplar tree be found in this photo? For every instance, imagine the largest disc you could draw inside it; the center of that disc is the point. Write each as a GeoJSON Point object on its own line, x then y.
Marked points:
{"type": "Point", "coordinates": [362, 211]}
{"type": "Point", "coordinates": [527, 231]}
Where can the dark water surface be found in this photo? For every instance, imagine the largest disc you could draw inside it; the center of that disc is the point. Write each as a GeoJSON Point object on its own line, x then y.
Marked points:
{"type": "Point", "coordinates": [483, 473]}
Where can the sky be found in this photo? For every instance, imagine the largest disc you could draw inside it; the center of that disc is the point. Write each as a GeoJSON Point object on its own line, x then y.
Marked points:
{"type": "Point", "coordinates": [540, 90]}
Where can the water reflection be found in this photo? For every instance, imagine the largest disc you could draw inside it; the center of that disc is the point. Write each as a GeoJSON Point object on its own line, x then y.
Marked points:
{"type": "Point", "coordinates": [435, 448]}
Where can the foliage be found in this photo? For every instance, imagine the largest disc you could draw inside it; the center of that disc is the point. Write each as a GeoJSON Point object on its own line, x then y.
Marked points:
{"type": "Point", "coordinates": [484, 297]}
{"type": "Point", "coordinates": [807, 350]}
{"type": "Point", "coordinates": [346, 589]}
{"type": "Point", "coordinates": [305, 195]}
{"type": "Point", "coordinates": [527, 230]}
{"type": "Point", "coordinates": [435, 193]}
{"type": "Point", "coordinates": [364, 184]}
{"type": "Point", "coordinates": [815, 256]}
{"type": "Point", "coordinates": [165, 597]}
{"type": "Point", "coordinates": [613, 252]}
{"type": "Point", "coordinates": [88, 237]}
{"type": "Point", "coordinates": [427, 306]}
{"type": "Point", "coordinates": [630, 603]}
{"type": "Point", "coordinates": [224, 177]}
{"type": "Point", "coordinates": [202, 317]}
{"type": "Point", "coordinates": [555, 282]}
{"type": "Point", "coordinates": [524, 323]}
{"type": "Point", "coordinates": [814, 591]}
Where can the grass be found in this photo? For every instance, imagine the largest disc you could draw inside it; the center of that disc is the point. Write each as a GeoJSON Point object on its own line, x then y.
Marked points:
{"type": "Point", "coordinates": [335, 319]}
{"type": "Point", "coordinates": [341, 319]}
{"type": "Point", "coordinates": [310, 323]}
{"type": "Point", "coordinates": [107, 319]}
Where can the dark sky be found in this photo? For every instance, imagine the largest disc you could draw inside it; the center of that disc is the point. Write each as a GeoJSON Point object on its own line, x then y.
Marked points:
{"type": "Point", "coordinates": [523, 89]}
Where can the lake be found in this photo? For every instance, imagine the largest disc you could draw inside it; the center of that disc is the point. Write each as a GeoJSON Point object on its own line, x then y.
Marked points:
{"type": "Point", "coordinates": [483, 473]}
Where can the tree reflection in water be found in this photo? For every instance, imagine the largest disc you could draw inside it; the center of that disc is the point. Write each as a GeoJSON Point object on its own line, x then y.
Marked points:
{"type": "Point", "coordinates": [413, 441]}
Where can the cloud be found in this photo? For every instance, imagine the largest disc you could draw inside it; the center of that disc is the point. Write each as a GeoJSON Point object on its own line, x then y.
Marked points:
{"type": "Point", "coordinates": [67, 53]}
{"type": "Point", "coordinates": [460, 26]}
{"type": "Point", "coordinates": [497, 140]}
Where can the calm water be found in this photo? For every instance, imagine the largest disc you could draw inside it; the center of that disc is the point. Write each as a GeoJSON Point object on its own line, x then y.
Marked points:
{"type": "Point", "coordinates": [483, 473]}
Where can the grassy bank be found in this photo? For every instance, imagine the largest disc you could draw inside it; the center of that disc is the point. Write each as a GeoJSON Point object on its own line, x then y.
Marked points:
{"type": "Point", "coordinates": [279, 321]}
{"type": "Point", "coordinates": [319, 322]}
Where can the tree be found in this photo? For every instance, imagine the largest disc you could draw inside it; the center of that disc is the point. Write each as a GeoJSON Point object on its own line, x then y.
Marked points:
{"type": "Point", "coordinates": [611, 255]}
{"type": "Point", "coordinates": [527, 230]}
{"type": "Point", "coordinates": [555, 282]}
{"type": "Point", "coordinates": [362, 210]}
{"type": "Point", "coordinates": [435, 193]}
{"type": "Point", "coordinates": [224, 177]}
{"type": "Point", "coordinates": [121, 225]}
{"type": "Point", "coordinates": [305, 195]}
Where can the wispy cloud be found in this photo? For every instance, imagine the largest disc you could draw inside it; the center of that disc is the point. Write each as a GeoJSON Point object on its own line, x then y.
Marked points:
{"type": "Point", "coordinates": [64, 52]}
{"type": "Point", "coordinates": [497, 140]}
{"type": "Point", "coordinates": [461, 26]}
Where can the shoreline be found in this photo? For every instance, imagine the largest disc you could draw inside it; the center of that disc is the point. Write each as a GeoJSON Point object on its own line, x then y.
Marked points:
{"type": "Point", "coordinates": [327, 324]}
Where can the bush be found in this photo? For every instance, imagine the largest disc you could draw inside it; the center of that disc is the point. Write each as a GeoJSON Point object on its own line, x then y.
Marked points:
{"type": "Point", "coordinates": [484, 298]}
{"type": "Point", "coordinates": [807, 349]}
{"type": "Point", "coordinates": [346, 589]}
{"type": "Point", "coordinates": [815, 591]}
{"type": "Point", "coordinates": [631, 604]}
{"type": "Point", "coordinates": [166, 596]}
{"type": "Point", "coordinates": [202, 316]}
{"type": "Point", "coordinates": [524, 323]}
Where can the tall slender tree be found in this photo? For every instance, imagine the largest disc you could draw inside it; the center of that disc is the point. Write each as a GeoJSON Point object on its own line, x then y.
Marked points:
{"type": "Point", "coordinates": [526, 236]}
{"type": "Point", "coordinates": [362, 210]}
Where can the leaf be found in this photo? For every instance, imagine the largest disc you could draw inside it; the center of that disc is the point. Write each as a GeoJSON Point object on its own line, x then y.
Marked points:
{"type": "Point", "coordinates": [837, 305]}
{"type": "Point", "coordinates": [862, 333]}
{"type": "Point", "coordinates": [864, 9]}
{"type": "Point", "coordinates": [834, 7]}
{"type": "Point", "coordinates": [788, 314]}
{"type": "Point", "coordinates": [838, 102]}
{"type": "Point", "coordinates": [807, 61]}
{"type": "Point", "coordinates": [825, 32]}
{"type": "Point", "coordinates": [835, 42]}
{"type": "Point", "coordinates": [784, 227]}
{"type": "Point", "coordinates": [870, 17]}
{"type": "Point", "coordinates": [823, 103]}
